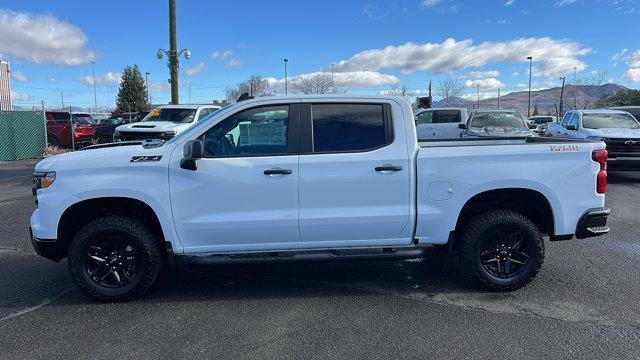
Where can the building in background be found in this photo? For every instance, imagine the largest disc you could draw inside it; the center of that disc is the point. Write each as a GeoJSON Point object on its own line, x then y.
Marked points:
{"type": "Point", "coordinates": [5, 86]}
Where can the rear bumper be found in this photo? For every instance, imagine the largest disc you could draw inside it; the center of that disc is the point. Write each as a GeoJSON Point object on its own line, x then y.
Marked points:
{"type": "Point", "coordinates": [593, 223]}
{"type": "Point", "coordinates": [47, 248]}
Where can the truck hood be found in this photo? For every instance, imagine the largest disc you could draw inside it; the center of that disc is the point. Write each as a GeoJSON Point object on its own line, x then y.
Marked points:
{"type": "Point", "coordinates": [500, 131]}
{"type": "Point", "coordinates": [615, 133]}
{"type": "Point", "coordinates": [107, 157]}
{"type": "Point", "coordinates": [153, 126]}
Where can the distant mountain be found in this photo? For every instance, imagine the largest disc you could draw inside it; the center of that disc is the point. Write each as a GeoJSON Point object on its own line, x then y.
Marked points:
{"type": "Point", "coordinates": [547, 100]}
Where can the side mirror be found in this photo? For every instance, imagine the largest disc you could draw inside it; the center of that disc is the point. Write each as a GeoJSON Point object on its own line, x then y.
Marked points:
{"type": "Point", "coordinates": [192, 151]}
{"type": "Point", "coordinates": [462, 126]}
{"type": "Point", "coordinates": [571, 127]}
{"type": "Point", "coordinates": [532, 125]}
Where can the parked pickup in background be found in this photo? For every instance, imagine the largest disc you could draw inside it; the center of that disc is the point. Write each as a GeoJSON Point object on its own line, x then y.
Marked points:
{"type": "Point", "coordinates": [617, 128]}
{"type": "Point", "coordinates": [318, 178]}
{"type": "Point", "coordinates": [496, 123]}
{"type": "Point", "coordinates": [439, 123]}
{"type": "Point", "coordinates": [539, 123]}
{"type": "Point", "coordinates": [164, 122]}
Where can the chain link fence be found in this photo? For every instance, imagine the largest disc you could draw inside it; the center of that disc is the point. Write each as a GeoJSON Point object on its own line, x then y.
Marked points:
{"type": "Point", "coordinates": [22, 135]}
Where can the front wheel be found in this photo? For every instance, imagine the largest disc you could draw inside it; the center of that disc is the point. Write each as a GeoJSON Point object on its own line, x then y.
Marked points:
{"type": "Point", "coordinates": [501, 250]}
{"type": "Point", "coordinates": [114, 258]}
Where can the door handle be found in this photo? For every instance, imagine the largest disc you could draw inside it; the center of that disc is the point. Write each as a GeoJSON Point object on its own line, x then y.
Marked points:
{"type": "Point", "coordinates": [388, 168]}
{"type": "Point", "coordinates": [277, 171]}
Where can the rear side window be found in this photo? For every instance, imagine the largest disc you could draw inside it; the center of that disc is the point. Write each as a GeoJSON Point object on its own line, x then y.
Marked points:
{"type": "Point", "coordinates": [349, 127]}
{"type": "Point", "coordinates": [60, 117]}
{"type": "Point", "coordinates": [446, 116]}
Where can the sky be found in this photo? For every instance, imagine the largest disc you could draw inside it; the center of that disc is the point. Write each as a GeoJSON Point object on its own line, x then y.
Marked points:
{"type": "Point", "coordinates": [370, 45]}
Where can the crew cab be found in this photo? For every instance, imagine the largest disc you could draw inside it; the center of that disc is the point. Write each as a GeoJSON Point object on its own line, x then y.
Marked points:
{"type": "Point", "coordinates": [62, 124]}
{"type": "Point", "coordinates": [315, 178]}
{"type": "Point", "coordinates": [163, 122]}
{"type": "Point", "coordinates": [439, 123]}
{"type": "Point", "coordinates": [618, 129]}
{"type": "Point", "coordinates": [496, 123]}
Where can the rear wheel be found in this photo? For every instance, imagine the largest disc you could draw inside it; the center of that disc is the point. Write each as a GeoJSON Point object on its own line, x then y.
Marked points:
{"type": "Point", "coordinates": [501, 250]}
{"type": "Point", "coordinates": [114, 259]}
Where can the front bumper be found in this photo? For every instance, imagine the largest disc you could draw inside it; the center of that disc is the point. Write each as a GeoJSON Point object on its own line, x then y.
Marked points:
{"type": "Point", "coordinates": [593, 223]}
{"type": "Point", "coordinates": [47, 248]}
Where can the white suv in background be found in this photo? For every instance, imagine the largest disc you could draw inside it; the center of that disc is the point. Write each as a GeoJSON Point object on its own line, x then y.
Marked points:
{"type": "Point", "coordinates": [439, 123]}
{"type": "Point", "coordinates": [164, 122]}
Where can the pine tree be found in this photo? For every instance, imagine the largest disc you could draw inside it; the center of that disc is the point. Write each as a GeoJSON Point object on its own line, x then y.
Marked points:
{"type": "Point", "coordinates": [132, 95]}
{"type": "Point", "coordinates": [535, 110]}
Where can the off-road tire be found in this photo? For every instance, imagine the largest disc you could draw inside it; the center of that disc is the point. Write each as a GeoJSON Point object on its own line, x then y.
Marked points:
{"type": "Point", "coordinates": [470, 244]}
{"type": "Point", "coordinates": [147, 243]}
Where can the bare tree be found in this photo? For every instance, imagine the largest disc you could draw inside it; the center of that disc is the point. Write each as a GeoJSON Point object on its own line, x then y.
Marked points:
{"type": "Point", "coordinates": [448, 89]}
{"type": "Point", "coordinates": [399, 90]}
{"type": "Point", "coordinates": [581, 95]}
{"type": "Point", "coordinates": [254, 86]}
{"type": "Point", "coordinates": [320, 83]}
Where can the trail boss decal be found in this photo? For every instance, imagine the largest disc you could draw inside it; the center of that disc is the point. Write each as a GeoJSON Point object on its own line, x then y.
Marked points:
{"type": "Point", "coordinates": [563, 148]}
{"type": "Point", "coordinates": [146, 158]}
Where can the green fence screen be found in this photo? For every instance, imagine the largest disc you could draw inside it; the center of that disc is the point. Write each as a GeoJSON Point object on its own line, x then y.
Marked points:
{"type": "Point", "coordinates": [22, 135]}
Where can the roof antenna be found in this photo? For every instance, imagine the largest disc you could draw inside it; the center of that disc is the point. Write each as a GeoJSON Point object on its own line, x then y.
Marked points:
{"type": "Point", "coordinates": [244, 96]}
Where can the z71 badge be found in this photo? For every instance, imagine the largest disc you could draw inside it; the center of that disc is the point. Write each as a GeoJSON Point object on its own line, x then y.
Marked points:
{"type": "Point", "coordinates": [564, 148]}
{"type": "Point", "coordinates": [146, 158]}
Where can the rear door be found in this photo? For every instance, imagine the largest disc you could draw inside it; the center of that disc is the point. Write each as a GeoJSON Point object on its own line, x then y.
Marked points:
{"type": "Point", "coordinates": [354, 175]}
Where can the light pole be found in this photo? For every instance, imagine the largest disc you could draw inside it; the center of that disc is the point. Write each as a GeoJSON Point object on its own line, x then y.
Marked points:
{"type": "Point", "coordinates": [286, 81]}
{"type": "Point", "coordinates": [173, 54]}
{"type": "Point", "coordinates": [95, 98]}
{"type": "Point", "coordinates": [478, 87]}
{"type": "Point", "coordinates": [146, 82]}
{"type": "Point", "coordinates": [530, 58]}
{"type": "Point", "coordinates": [560, 113]}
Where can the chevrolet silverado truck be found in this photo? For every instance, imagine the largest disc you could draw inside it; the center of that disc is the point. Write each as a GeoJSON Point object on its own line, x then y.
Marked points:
{"type": "Point", "coordinates": [318, 178]}
{"type": "Point", "coordinates": [618, 129]}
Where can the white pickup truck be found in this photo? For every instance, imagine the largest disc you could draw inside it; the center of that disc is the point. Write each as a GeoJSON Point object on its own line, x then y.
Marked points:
{"type": "Point", "coordinates": [317, 178]}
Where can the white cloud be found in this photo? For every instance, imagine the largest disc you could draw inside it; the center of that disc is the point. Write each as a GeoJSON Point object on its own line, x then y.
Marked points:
{"type": "Point", "coordinates": [633, 60]}
{"type": "Point", "coordinates": [490, 83]}
{"type": "Point", "coordinates": [159, 86]}
{"type": "Point", "coordinates": [482, 74]}
{"type": "Point", "coordinates": [349, 80]}
{"type": "Point", "coordinates": [509, 2]}
{"type": "Point", "coordinates": [20, 76]}
{"type": "Point", "coordinates": [43, 39]}
{"type": "Point", "coordinates": [221, 55]}
{"type": "Point", "coordinates": [108, 79]}
{"type": "Point", "coordinates": [233, 63]}
{"type": "Point", "coordinates": [555, 56]}
{"type": "Point", "coordinates": [633, 75]}
{"type": "Point", "coordinates": [195, 70]}
{"type": "Point", "coordinates": [560, 3]}
{"type": "Point", "coordinates": [429, 3]}
{"type": "Point", "coordinates": [617, 56]}
{"type": "Point", "coordinates": [52, 80]}
{"type": "Point", "coordinates": [19, 96]}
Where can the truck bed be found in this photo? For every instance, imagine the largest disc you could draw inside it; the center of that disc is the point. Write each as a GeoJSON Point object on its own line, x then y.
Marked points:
{"type": "Point", "coordinates": [487, 141]}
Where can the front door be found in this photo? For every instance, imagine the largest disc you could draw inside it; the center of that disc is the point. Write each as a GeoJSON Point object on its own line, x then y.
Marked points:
{"type": "Point", "coordinates": [244, 194]}
{"type": "Point", "coordinates": [355, 180]}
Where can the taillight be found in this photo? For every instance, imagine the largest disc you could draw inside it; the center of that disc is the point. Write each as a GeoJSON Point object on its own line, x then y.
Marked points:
{"type": "Point", "coordinates": [601, 156]}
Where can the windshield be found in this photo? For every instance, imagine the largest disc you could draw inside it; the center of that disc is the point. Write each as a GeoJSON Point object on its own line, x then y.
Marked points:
{"type": "Point", "coordinates": [174, 115]}
{"type": "Point", "coordinates": [609, 120]}
{"type": "Point", "coordinates": [497, 119]}
{"type": "Point", "coordinates": [542, 120]}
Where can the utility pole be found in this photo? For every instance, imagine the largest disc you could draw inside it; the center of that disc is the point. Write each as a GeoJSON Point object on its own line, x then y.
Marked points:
{"type": "Point", "coordinates": [478, 87]}
{"type": "Point", "coordinates": [286, 90]}
{"type": "Point", "coordinates": [61, 100]}
{"type": "Point", "coordinates": [560, 113]}
{"type": "Point", "coordinates": [146, 82]}
{"type": "Point", "coordinates": [95, 99]}
{"type": "Point", "coordinates": [173, 54]}
{"type": "Point", "coordinates": [189, 92]}
{"type": "Point", "coordinates": [573, 89]}
{"type": "Point", "coordinates": [530, 58]}
{"type": "Point", "coordinates": [498, 98]}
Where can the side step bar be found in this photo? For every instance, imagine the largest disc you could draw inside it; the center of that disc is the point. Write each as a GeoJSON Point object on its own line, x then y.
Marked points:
{"type": "Point", "coordinates": [303, 256]}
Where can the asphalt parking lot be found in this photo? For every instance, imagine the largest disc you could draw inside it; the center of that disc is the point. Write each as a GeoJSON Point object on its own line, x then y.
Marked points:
{"type": "Point", "coordinates": [584, 304]}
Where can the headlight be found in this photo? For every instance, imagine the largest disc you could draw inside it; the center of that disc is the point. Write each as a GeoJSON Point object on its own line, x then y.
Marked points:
{"type": "Point", "coordinates": [42, 180]}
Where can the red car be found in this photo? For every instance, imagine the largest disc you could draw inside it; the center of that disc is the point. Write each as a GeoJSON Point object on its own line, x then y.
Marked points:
{"type": "Point", "coordinates": [59, 129]}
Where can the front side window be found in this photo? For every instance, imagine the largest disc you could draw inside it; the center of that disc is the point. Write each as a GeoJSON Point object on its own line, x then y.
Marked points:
{"type": "Point", "coordinates": [566, 119]}
{"type": "Point", "coordinates": [349, 127]}
{"type": "Point", "coordinates": [575, 120]}
{"type": "Point", "coordinates": [258, 131]}
{"type": "Point", "coordinates": [424, 118]}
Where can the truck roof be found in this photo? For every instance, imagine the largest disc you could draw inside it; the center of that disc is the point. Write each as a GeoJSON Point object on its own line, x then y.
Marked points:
{"type": "Point", "coordinates": [600, 111]}
{"type": "Point", "coordinates": [189, 106]}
